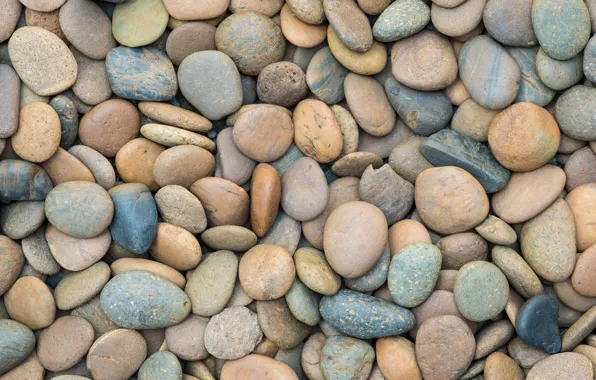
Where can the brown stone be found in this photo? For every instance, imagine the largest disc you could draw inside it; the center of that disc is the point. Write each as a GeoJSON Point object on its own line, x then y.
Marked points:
{"type": "Point", "coordinates": [524, 354]}
{"type": "Point", "coordinates": [369, 104]}
{"type": "Point", "coordinates": [350, 24]}
{"type": "Point", "coordinates": [569, 145]}
{"type": "Point", "coordinates": [135, 162]}
{"type": "Point", "coordinates": [528, 194]}
{"type": "Point", "coordinates": [440, 302]}
{"type": "Point", "coordinates": [406, 232]}
{"type": "Point", "coordinates": [570, 297]}
{"type": "Point", "coordinates": [577, 332]}
{"type": "Point", "coordinates": [183, 165]}
{"type": "Point", "coordinates": [446, 280]}
{"type": "Point", "coordinates": [266, 348]}
{"type": "Point", "coordinates": [582, 278]}
{"type": "Point", "coordinates": [129, 263]}
{"type": "Point", "coordinates": [263, 134]}
{"type": "Point", "coordinates": [523, 137]}
{"type": "Point", "coordinates": [407, 160]}
{"type": "Point", "coordinates": [38, 136]}
{"type": "Point", "coordinates": [265, 198]}
{"type": "Point", "coordinates": [175, 247]}
{"type": "Point", "coordinates": [496, 231]}
{"type": "Point", "coordinates": [282, 83]}
{"type": "Point", "coordinates": [473, 120]}
{"type": "Point", "coordinates": [9, 101]}
{"type": "Point", "coordinates": [457, 93]}
{"type": "Point", "coordinates": [349, 129]}
{"type": "Point", "coordinates": [233, 118]}
{"type": "Point", "coordinates": [117, 354]}
{"type": "Point", "coordinates": [300, 33]}
{"type": "Point", "coordinates": [30, 302]}
{"type": "Point", "coordinates": [172, 136]}
{"type": "Point", "coordinates": [499, 366]}
{"type": "Point", "coordinates": [588, 351]}
{"type": "Point", "coordinates": [267, 7]}
{"type": "Point", "coordinates": [396, 357]}
{"type": "Point", "coordinates": [355, 237]}
{"type": "Point", "coordinates": [311, 356]}
{"type": "Point", "coordinates": [185, 340]}
{"type": "Point", "coordinates": [30, 369]}
{"type": "Point", "coordinates": [189, 38]}
{"type": "Point", "coordinates": [459, 20]}
{"type": "Point", "coordinates": [64, 167]}
{"type": "Point", "coordinates": [309, 11]}
{"type": "Point", "coordinates": [450, 200]}
{"type": "Point", "coordinates": [100, 167]}
{"type": "Point", "coordinates": [279, 325]}
{"type": "Point", "coordinates": [354, 164]}
{"type": "Point", "coordinates": [444, 348]}
{"type": "Point", "coordinates": [266, 272]}
{"type": "Point", "coordinates": [315, 272]}
{"type": "Point", "coordinates": [232, 164]}
{"type": "Point", "coordinates": [64, 343]}
{"type": "Point", "coordinates": [316, 131]}
{"type": "Point", "coordinates": [492, 337]}
{"type": "Point", "coordinates": [424, 61]}
{"type": "Point", "coordinates": [177, 205]}
{"type": "Point", "coordinates": [460, 249]}
{"type": "Point", "coordinates": [564, 366]}
{"type": "Point", "coordinates": [76, 254]}
{"type": "Point", "coordinates": [224, 201]}
{"type": "Point", "coordinates": [232, 238]}
{"type": "Point", "coordinates": [109, 126]}
{"type": "Point", "coordinates": [92, 86]}
{"type": "Point", "coordinates": [176, 116]}
{"type": "Point", "coordinates": [256, 367]}
{"type": "Point", "coordinates": [11, 264]}
{"type": "Point", "coordinates": [190, 10]}
{"type": "Point", "coordinates": [304, 190]}
{"type": "Point", "coordinates": [579, 201]}
{"type": "Point", "coordinates": [580, 168]}
{"type": "Point", "coordinates": [46, 20]}
{"type": "Point", "coordinates": [518, 272]}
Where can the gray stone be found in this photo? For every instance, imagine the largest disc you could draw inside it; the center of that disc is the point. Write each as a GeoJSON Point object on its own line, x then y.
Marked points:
{"type": "Point", "coordinates": [69, 119]}
{"type": "Point", "coordinates": [285, 232]}
{"type": "Point", "coordinates": [559, 75]}
{"type": "Point", "coordinates": [343, 357]}
{"type": "Point", "coordinates": [162, 365]}
{"type": "Point", "coordinates": [400, 20]}
{"type": "Point", "coordinates": [21, 219]}
{"type": "Point", "coordinates": [16, 343]}
{"type": "Point", "coordinates": [574, 112]}
{"type": "Point", "coordinates": [325, 77]}
{"type": "Point", "coordinates": [590, 60]}
{"type": "Point", "coordinates": [37, 252]}
{"type": "Point", "coordinates": [531, 88]}
{"type": "Point", "coordinates": [10, 93]}
{"type": "Point", "coordinates": [375, 277]}
{"type": "Point", "coordinates": [510, 22]}
{"type": "Point", "coordinates": [303, 303]}
{"type": "Point", "coordinates": [233, 333]}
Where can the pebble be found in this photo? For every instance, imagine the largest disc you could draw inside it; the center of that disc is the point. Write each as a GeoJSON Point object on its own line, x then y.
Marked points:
{"type": "Point", "coordinates": [460, 249]}
{"type": "Point", "coordinates": [258, 367]}
{"type": "Point", "coordinates": [282, 83]}
{"type": "Point", "coordinates": [400, 20]}
{"type": "Point", "coordinates": [176, 247]}
{"type": "Point", "coordinates": [163, 303]}
{"type": "Point", "coordinates": [186, 340]}
{"type": "Point", "coordinates": [383, 145]}
{"type": "Point", "coordinates": [55, 73]}
{"type": "Point", "coordinates": [525, 355]}
{"type": "Point", "coordinates": [424, 112]}
{"type": "Point", "coordinates": [325, 77]}
{"type": "Point", "coordinates": [252, 40]}
{"type": "Point", "coordinates": [172, 136]}
{"type": "Point", "coordinates": [279, 325]}
{"type": "Point", "coordinates": [100, 167]}
{"type": "Point", "coordinates": [562, 35]}
{"type": "Point", "coordinates": [459, 20]}
{"type": "Point", "coordinates": [396, 357]}
{"type": "Point", "coordinates": [559, 75]}
{"type": "Point", "coordinates": [584, 233]}
{"type": "Point", "coordinates": [12, 263]}
{"type": "Point", "coordinates": [135, 162]}
{"type": "Point", "coordinates": [234, 238]}
{"type": "Point", "coordinates": [266, 272]}
{"type": "Point", "coordinates": [370, 62]}
{"type": "Point", "coordinates": [575, 334]}
{"type": "Point", "coordinates": [364, 93]}
{"type": "Point", "coordinates": [64, 343]}
{"type": "Point", "coordinates": [214, 73]}
{"type": "Point", "coordinates": [589, 67]}
{"type": "Point", "coordinates": [578, 168]}
{"type": "Point", "coordinates": [197, 162]}
{"type": "Point", "coordinates": [91, 311]}
{"type": "Point", "coordinates": [385, 189]}
{"type": "Point", "coordinates": [572, 112]}
{"type": "Point", "coordinates": [520, 275]}
{"type": "Point", "coordinates": [224, 202]}
{"type": "Point", "coordinates": [269, 7]}
{"type": "Point", "coordinates": [27, 96]}
{"type": "Point", "coordinates": [350, 24]}
{"type": "Point", "coordinates": [346, 357]}
{"type": "Point", "coordinates": [440, 302]}
{"type": "Point", "coordinates": [127, 264]}
{"type": "Point", "coordinates": [23, 181]}
{"type": "Point", "coordinates": [161, 365]}
{"type": "Point", "coordinates": [481, 291]}
{"type": "Point", "coordinates": [92, 85]}
{"type": "Point", "coordinates": [190, 38]}
{"type": "Point", "coordinates": [316, 131]}
{"type": "Point", "coordinates": [188, 10]}
{"type": "Point", "coordinates": [20, 219]}
{"type": "Point", "coordinates": [407, 160]}
{"type": "Point", "coordinates": [451, 358]}
{"type": "Point", "coordinates": [500, 367]}
{"type": "Point", "coordinates": [492, 337]}
{"type": "Point", "coordinates": [30, 301]}
{"type": "Point", "coordinates": [178, 206]}
{"type": "Point", "coordinates": [450, 148]}
{"type": "Point", "coordinates": [309, 11]}
{"type": "Point", "coordinates": [303, 303]}
{"type": "Point", "coordinates": [265, 198]}
{"type": "Point", "coordinates": [17, 343]}
{"type": "Point", "coordinates": [10, 18]}
{"type": "Point", "coordinates": [363, 316]}
{"type": "Point", "coordinates": [78, 288]}
{"type": "Point", "coordinates": [10, 96]}
{"type": "Point", "coordinates": [299, 32]}
{"type": "Point", "coordinates": [139, 22]}
{"type": "Point", "coordinates": [69, 119]}
{"type": "Point", "coordinates": [28, 369]}
{"type": "Point", "coordinates": [304, 190]}
{"type": "Point", "coordinates": [510, 22]}
{"type": "Point", "coordinates": [571, 298]}
{"type": "Point", "coordinates": [64, 167]}
{"type": "Point", "coordinates": [311, 356]}
{"type": "Point", "coordinates": [38, 135]}
{"type": "Point", "coordinates": [76, 254]}
{"type": "Point", "coordinates": [37, 252]}
{"type": "Point", "coordinates": [536, 323]}
{"type": "Point", "coordinates": [175, 116]}
{"type": "Point", "coordinates": [117, 354]}
{"type": "Point", "coordinates": [315, 272]}
{"type": "Point", "coordinates": [355, 164]}
{"type": "Point", "coordinates": [563, 366]}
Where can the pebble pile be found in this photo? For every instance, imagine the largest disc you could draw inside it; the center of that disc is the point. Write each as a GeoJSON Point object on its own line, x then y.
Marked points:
{"type": "Point", "coordinates": [297, 189]}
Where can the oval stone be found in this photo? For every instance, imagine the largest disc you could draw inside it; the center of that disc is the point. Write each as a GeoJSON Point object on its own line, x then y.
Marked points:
{"type": "Point", "coordinates": [76, 254]}
{"type": "Point", "coordinates": [314, 271]}
{"type": "Point", "coordinates": [20, 219]}
{"type": "Point", "coordinates": [556, 74]}
{"type": "Point", "coordinates": [38, 136]}
{"type": "Point", "coordinates": [49, 76]}
{"type": "Point", "coordinates": [265, 198]}
{"type": "Point", "coordinates": [69, 119]}
{"type": "Point", "coordinates": [186, 340]}
{"type": "Point", "coordinates": [303, 303]}
{"type": "Point", "coordinates": [142, 300]}
{"type": "Point", "coordinates": [536, 323]}
{"type": "Point", "coordinates": [100, 167]}
{"type": "Point", "coordinates": [92, 86]}
{"type": "Point", "coordinates": [573, 112]}
{"type": "Point", "coordinates": [22, 180]}
{"type": "Point", "coordinates": [346, 357]}
{"type": "Point", "coordinates": [325, 77]}
{"type": "Point", "coordinates": [16, 342]}
{"type": "Point", "coordinates": [175, 116]}
{"type": "Point", "coordinates": [300, 33]}
{"type": "Point", "coordinates": [38, 254]}
{"type": "Point", "coordinates": [157, 81]}
{"type": "Point", "coordinates": [266, 272]}
{"type": "Point", "coordinates": [370, 62]}
{"type": "Point", "coordinates": [365, 317]}
{"type": "Point", "coordinates": [510, 22]}
{"type": "Point", "coordinates": [197, 162]}
{"type": "Point", "coordinates": [224, 201]}
{"type": "Point", "coordinates": [190, 38]}
{"type": "Point", "coordinates": [457, 21]}
{"type": "Point", "coordinates": [257, 367]}
{"type": "Point", "coordinates": [10, 95]}
{"type": "Point", "coordinates": [213, 73]}
{"type": "Point", "coordinates": [135, 162]}
{"type": "Point", "coordinates": [77, 288]}
{"type": "Point", "coordinates": [406, 232]}
{"type": "Point", "coordinates": [178, 206]}
{"type": "Point", "coordinates": [304, 190]}
{"type": "Point", "coordinates": [563, 366]}
{"type": "Point", "coordinates": [400, 20]}
{"type": "Point", "coordinates": [520, 275]}
{"type": "Point", "coordinates": [176, 247]}
{"type": "Point", "coordinates": [117, 354]}
{"type": "Point", "coordinates": [577, 199]}
{"type": "Point", "coordinates": [279, 325]}
{"type": "Point", "coordinates": [233, 238]}
{"type": "Point", "coordinates": [139, 22]}
{"type": "Point", "coordinates": [316, 131]}
{"type": "Point", "coordinates": [64, 167]}
{"type": "Point", "coordinates": [10, 18]}
{"type": "Point", "coordinates": [64, 343]}
{"type": "Point", "coordinates": [350, 24]}
{"type": "Point", "coordinates": [127, 264]}
{"type": "Point", "coordinates": [233, 333]}
{"type": "Point", "coordinates": [30, 301]}
{"type": "Point", "coordinates": [11, 264]}
{"type": "Point", "coordinates": [531, 88]}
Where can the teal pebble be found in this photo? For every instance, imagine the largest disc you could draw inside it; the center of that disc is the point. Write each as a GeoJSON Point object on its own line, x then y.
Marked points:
{"type": "Point", "coordinates": [590, 60]}
{"type": "Point", "coordinates": [69, 119]}
{"type": "Point", "coordinates": [162, 365]}
{"type": "Point", "coordinates": [400, 20]}
{"type": "Point", "coordinates": [16, 343]}
{"type": "Point", "coordinates": [531, 88]}
{"type": "Point", "coordinates": [303, 303]}
{"type": "Point", "coordinates": [559, 75]}
{"type": "Point", "coordinates": [574, 112]}
{"type": "Point", "coordinates": [345, 358]}
{"type": "Point", "coordinates": [293, 358]}
{"type": "Point", "coordinates": [375, 278]}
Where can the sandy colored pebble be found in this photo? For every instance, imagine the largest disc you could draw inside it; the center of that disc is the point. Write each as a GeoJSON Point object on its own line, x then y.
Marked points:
{"type": "Point", "coordinates": [116, 355]}
{"type": "Point", "coordinates": [31, 302]}
{"type": "Point", "coordinates": [496, 231]}
{"type": "Point", "coordinates": [266, 272]}
{"type": "Point", "coordinates": [316, 131]}
{"type": "Point", "coordinates": [130, 263]}
{"type": "Point", "coordinates": [178, 206]}
{"type": "Point", "coordinates": [183, 165]}
{"type": "Point", "coordinates": [175, 116]}
{"type": "Point", "coordinates": [224, 201]}
{"type": "Point", "coordinates": [64, 343]}
{"type": "Point", "coordinates": [175, 247]}
{"type": "Point", "coordinates": [77, 254]}
{"type": "Point", "coordinates": [370, 62]}
{"type": "Point", "coordinates": [300, 33]}
{"type": "Point", "coordinates": [135, 162]}
{"type": "Point", "coordinates": [172, 136]}
{"type": "Point", "coordinates": [38, 136]}
{"type": "Point", "coordinates": [64, 167]}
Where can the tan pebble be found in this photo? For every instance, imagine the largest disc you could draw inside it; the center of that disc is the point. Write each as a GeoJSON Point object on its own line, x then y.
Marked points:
{"type": "Point", "coordinates": [99, 166]}
{"type": "Point", "coordinates": [233, 238]}
{"type": "Point", "coordinates": [64, 343]}
{"type": "Point", "coordinates": [266, 348]}
{"type": "Point", "coordinates": [579, 200]}
{"type": "Point", "coordinates": [175, 247]}
{"type": "Point", "coordinates": [459, 20]}
{"type": "Point", "coordinates": [183, 165]}
{"type": "Point", "coordinates": [256, 367]}
{"type": "Point", "coordinates": [440, 302]}
{"type": "Point", "coordinates": [38, 136]}
{"type": "Point", "coordinates": [446, 280]}
{"type": "Point", "coordinates": [492, 337]}
{"type": "Point", "coordinates": [570, 297]}
{"type": "Point", "coordinates": [78, 288]}
{"type": "Point", "coordinates": [406, 232]}
{"type": "Point", "coordinates": [231, 163]}
{"type": "Point", "coordinates": [64, 167]}
{"type": "Point", "coordinates": [187, 39]}
{"type": "Point", "coordinates": [309, 11]}
{"type": "Point", "coordinates": [47, 20]}
{"type": "Point", "coordinates": [189, 10]}
{"type": "Point", "coordinates": [175, 116]}
{"type": "Point", "coordinates": [315, 272]}
{"type": "Point", "coordinates": [30, 369]}
{"type": "Point", "coordinates": [457, 94]}
{"type": "Point", "coordinates": [588, 351]}
{"type": "Point", "coordinates": [578, 331]}
{"type": "Point", "coordinates": [501, 367]}
{"type": "Point", "coordinates": [524, 354]}
{"type": "Point", "coordinates": [316, 131]}
{"type": "Point", "coordinates": [304, 190]}
{"type": "Point", "coordinates": [233, 118]}
{"type": "Point", "coordinates": [564, 366]}
{"type": "Point", "coordinates": [569, 145]}
{"type": "Point", "coordinates": [370, 62]}
{"type": "Point", "coordinates": [172, 136]}
{"type": "Point", "coordinates": [31, 302]}
{"type": "Point", "coordinates": [92, 86]}
{"type": "Point", "coordinates": [496, 231]}
{"type": "Point", "coordinates": [518, 272]}
{"type": "Point", "coordinates": [300, 33]}
{"type": "Point", "coordinates": [224, 201]}
{"type": "Point", "coordinates": [129, 263]}
{"type": "Point", "coordinates": [265, 198]}
{"type": "Point", "coordinates": [177, 205]}
{"type": "Point", "coordinates": [460, 249]}
{"type": "Point", "coordinates": [13, 260]}
{"type": "Point", "coordinates": [354, 164]}
{"type": "Point", "coordinates": [185, 340]}
{"type": "Point", "coordinates": [473, 120]}
{"type": "Point", "coordinates": [116, 355]}
{"type": "Point", "coordinates": [135, 162]}
{"type": "Point", "coordinates": [266, 272]}
{"type": "Point", "coordinates": [582, 279]}
{"type": "Point", "coordinates": [396, 357]}
{"type": "Point", "coordinates": [76, 254]}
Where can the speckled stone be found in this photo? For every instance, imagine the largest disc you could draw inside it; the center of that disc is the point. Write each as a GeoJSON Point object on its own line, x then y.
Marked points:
{"type": "Point", "coordinates": [303, 303]}
{"type": "Point", "coordinates": [172, 136]}
{"type": "Point", "coordinates": [100, 167]}
{"type": "Point", "coordinates": [531, 88]}
{"type": "Point", "coordinates": [458, 21]}
{"type": "Point", "coordinates": [69, 119]}
{"type": "Point", "coordinates": [450, 148]}
{"type": "Point", "coordinates": [139, 22]}
{"type": "Point", "coordinates": [162, 365]}
{"type": "Point", "coordinates": [325, 77]}
{"type": "Point", "coordinates": [92, 86]}
{"type": "Point", "coordinates": [520, 275]}
{"type": "Point", "coordinates": [424, 112]}
{"type": "Point", "coordinates": [510, 22]}
{"type": "Point", "coordinates": [364, 316]}
{"type": "Point", "coordinates": [574, 112]}
{"type": "Point", "coordinates": [37, 252]}
{"type": "Point", "coordinates": [78, 288]}
{"type": "Point", "coordinates": [400, 20]}
{"type": "Point", "coordinates": [589, 64]}
{"type": "Point", "coordinates": [10, 96]}
{"type": "Point", "coordinates": [350, 24]}
{"type": "Point", "coordinates": [413, 273]}
{"type": "Point", "coordinates": [142, 300]}
{"type": "Point", "coordinates": [21, 219]}
{"type": "Point", "coordinates": [157, 81]}
{"type": "Point", "coordinates": [10, 18]}
{"type": "Point", "coordinates": [536, 323]}
{"type": "Point", "coordinates": [562, 27]}
{"type": "Point", "coordinates": [560, 75]}
{"type": "Point", "coordinates": [481, 291]}
{"type": "Point", "coordinates": [375, 278]}
{"type": "Point", "coordinates": [279, 324]}
{"type": "Point", "coordinates": [485, 64]}
{"type": "Point", "coordinates": [16, 343]}
{"type": "Point", "coordinates": [344, 357]}
{"type": "Point", "coordinates": [564, 366]}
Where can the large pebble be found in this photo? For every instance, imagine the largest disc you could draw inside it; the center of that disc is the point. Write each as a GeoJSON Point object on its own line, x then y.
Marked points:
{"type": "Point", "coordinates": [304, 190]}
{"type": "Point", "coordinates": [460, 249]}
{"type": "Point", "coordinates": [573, 112]}
{"type": "Point", "coordinates": [520, 275]}
{"type": "Point", "coordinates": [473, 120]}
{"type": "Point", "coordinates": [214, 73]}
{"type": "Point", "coordinates": [266, 272]}
{"type": "Point", "coordinates": [10, 95]}
{"type": "Point", "coordinates": [303, 303]}
{"type": "Point", "coordinates": [314, 271]}
{"type": "Point", "coordinates": [224, 201]}
{"type": "Point", "coordinates": [77, 288]}
{"type": "Point", "coordinates": [577, 199]}
{"type": "Point", "coordinates": [407, 232]}
{"type": "Point", "coordinates": [548, 242]}
{"type": "Point", "coordinates": [265, 198]}
{"type": "Point", "coordinates": [143, 300]}
{"type": "Point", "coordinates": [64, 167]}
{"type": "Point", "coordinates": [69, 119]}
{"type": "Point", "coordinates": [564, 366]}
{"type": "Point", "coordinates": [536, 323]}
{"type": "Point", "coordinates": [325, 77]}
{"type": "Point", "coordinates": [282, 83]}
{"type": "Point", "coordinates": [176, 116]}
{"type": "Point", "coordinates": [233, 238]}
{"type": "Point", "coordinates": [369, 105]}
{"type": "Point", "coordinates": [139, 22]}
{"type": "Point", "coordinates": [316, 131]}
{"type": "Point", "coordinates": [499, 366]}
{"type": "Point", "coordinates": [76, 254]}
{"type": "Point", "coordinates": [396, 357]}
{"type": "Point", "coordinates": [135, 162]}
{"type": "Point", "coordinates": [510, 22]}
{"type": "Point", "coordinates": [300, 33]}
{"type": "Point", "coordinates": [20, 219]}
{"type": "Point", "coordinates": [56, 72]}
{"type": "Point", "coordinates": [233, 333]}
{"type": "Point", "coordinates": [407, 160]}
{"type": "Point", "coordinates": [350, 24]}
{"type": "Point", "coordinates": [10, 18]}
{"type": "Point", "coordinates": [345, 357]}
{"type": "Point", "coordinates": [16, 344]}
{"type": "Point", "coordinates": [11, 264]}
{"type": "Point", "coordinates": [64, 343]}
{"type": "Point", "coordinates": [117, 355]}
{"type": "Point", "coordinates": [531, 88]}
{"type": "Point", "coordinates": [178, 206]}
{"type": "Point", "coordinates": [400, 20]}
{"type": "Point", "coordinates": [162, 365]}
{"type": "Point", "coordinates": [370, 62]}
{"type": "Point", "coordinates": [38, 254]}
{"type": "Point", "coordinates": [100, 167]}
{"type": "Point", "coordinates": [365, 317]}
{"type": "Point", "coordinates": [176, 247]}
{"type": "Point", "coordinates": [127, 264]}
{"type": "Point", "coordinates": [195, 162]}
{"type": "Point", "coordinates": [38, 136]}
{"type": "Point", "coordinates": [257, 367]}
{"type": "Point", "coordinates": [556, 74]}
{"type": "Point", "coordinates": [186, 340]}
{"type": "Point", "coordinates": [190, 38]}
{"type": "Point", "coordinates": [457, 21]}
{"type": "Point", "coordinates": [31, 302]}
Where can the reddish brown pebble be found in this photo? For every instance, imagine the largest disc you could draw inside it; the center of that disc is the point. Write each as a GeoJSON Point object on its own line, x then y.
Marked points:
{"type": "Point", "coordinates": [265, 197]}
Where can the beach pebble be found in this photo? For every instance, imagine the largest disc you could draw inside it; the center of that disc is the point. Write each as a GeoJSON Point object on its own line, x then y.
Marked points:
{"type": "Point", "coordinates": [400, 20]}
{"type": "Point", "coordinates": [100, 167]}
{"type": "Point", "coordinates": [304, 190]}
{"type": "Point", "coordinates": [510, 22]}
{"type": "Point", "coordinates": [20, 219]}
{"type": "Point", "coordinates": [370, 62]}
{"type": "Point", "coordinates": [17, 342]}
{"type": "Point", "coordinates": [135, 162]}
{"type": "Point", "coordinates": [224, 201]}
{"type": "Point", "coordinates": [139, 22]}
{"type": "Point", "coordinates": [64, 343]}
{"type": "Point", "coordinates": [346, 357]}
{"type": "Point", "coordinates": [556, 74]}
{"type": "Point", "coordinates": [577, 200]}
{"type": "Point", "coordinates": [30, 301]}
{"type": "Point", "coordinates": [325, 76]}
{"type": "Point", "coordinates": [117, 354]}
{"type": "Point", "coordinates": [572, 112]}
{"type": "Point", "coordinates": [257, 366]}
{"type": "Point", "coordinates": [10, 96]}
{"type": "Point", "coordinates": [258, 278]}
{"type": "Point", "coordinates": [282, 83]}
{"type": "Point", "coordinates": [350, 24]}
{"type": "Point", "coordinates": [279, 325]}
{"type": "Point", "coordinates": [536, 323]}
{"type": "Point", "coordinates": [567, 365]}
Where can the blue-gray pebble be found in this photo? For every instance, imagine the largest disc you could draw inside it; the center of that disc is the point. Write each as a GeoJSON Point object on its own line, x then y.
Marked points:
{"type": "Point", "coordinates": [561, 26]}
{"type": "Point", "coordinates": [303, 303]}
{"type": "Point", "coordinates": [162, 365]}
{"type": "Point", "coordinates": [590, 60]}
{"type": "Point", "coordinates": [375, 277]}
{"type": "Point", "coordinates": [413, 273]}
{"type": "Point", "coordinates": [144, 73]}
{"type": "Point", "coordinates": [142, 300]}
{"type": "Point", "coordinates": [536, 323]}
{"type": "Point", "coordinates": [134, 226]}
{"type": "Point", "coordinates": [451, 148]}
{"type": "Point", "coordinates": [400, 20]}
{"type": "Point", "coordinates": [293, 154]}
{"type": "Point", "coordinates": [574, 112]}
{"type": "Point", "coordinates": [365, 317]}
{"type": "Point", "coordinates": [556, 74]}
{"type": "Point", "coordinates": [16, 343]}
{"type": "Point", "coordinates": [345, 358]}
{"type": "Point", "coordinates": [425, 112]}
{"type": "Point", "coordinates": [325, 77]}
{"type": "Point", "coordinates": [69, 119]}
{"type": "Point", "coordinates": [531, 88]}
{"type": "Point", "coordinates": [23, 181]}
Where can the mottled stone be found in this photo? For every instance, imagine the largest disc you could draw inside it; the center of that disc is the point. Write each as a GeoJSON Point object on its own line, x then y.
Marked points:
{"type": "Point", "coordinates": [20, 219]}
{"type": "Point", "coordinates": [350, 24]}
{"type": "Point", "coordinates": [364, 316]}
{"type": "Point", "coordinates": [161, 365]}
{"type": "Point", "coordinates": [325, 77]}
{"type": "Point", "coordinates": [100, 167]}
{"type": "Point", "coordinates": [344, 357]}
{"type": "Point", "coordinates": [303, 303]}
{"type": "Point", "coordinates": [589, 64]}
{"type": "Point", "coordinates": [69, 119]}
{"type": "Point", "coordinates": [573, 112]}
{"type": "Point", "coordinates": [460, 20]}
{"type": "Point", "coordinates": [400, 20]}
{"type": "Point", "coordinates": [117, 354]}
{"type": "Point", "coordinates": [374, 278]}
{"type": "Point", "coordinates": [564, 366]}
{"type": "Point", "coordinates": [10, 96]}
{"type": "Point", "coordinates": [407, 160]}
{"type": "Point", "coordinates": [139, 22]}
{"type": "Point", "coordinates": [370, 62]}
{"type": "Point", "coordinates": [536, 323]}
{"type": "Point", "coordinates": [16, 343]}
{"type": "Point", "coordinates": [510, 22]}
{"type": "Point", "coordinates": [279, 325]}
{"type": "Point", "coordinates": [11, 264]}
{"type": "Point", "coordinates": [77, 288]}
{"type": "Point", "coordinates": [531, 88]}
{"type": "Point", "coordinates": [38, 254]}
{"type": "Point", "coordinates": [92, 86]}
{"type": "Point", "coordinates": [92, 313]}
{"type": "Point", "coordinates": [520, 275]}
{"type": "Point", "coordinates": [315, 272]}
{"type": "Point", "coordinates": [496, 231]}
{"type": "Point", "coordinates": [559, 75]}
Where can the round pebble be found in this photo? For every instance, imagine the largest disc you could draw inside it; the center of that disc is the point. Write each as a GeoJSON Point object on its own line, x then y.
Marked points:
{"type": "Point", "coordinates": [190, 38]}
{"type": "Point", "coordinates": [257, 366]}
{"type": "Point", "coordinates": [304, 190]}
{"type": "Point", "coordinates": [135, 161]}
{"type": "Point", "coordinates": [20, 219]}
{"type": "Point", "coordinates": [76, 254]}
{"type": "Point", "coordinates": [572, 112]}
{"type": "Point", "coordinates": [17, 342]}
{"type": "Point", "coordinates": [224, 201]}
{"type": "Point", "coordinates": [117, 354]}
{"type": "Point", "coordinates": [564, 366]}
{"type": "Point", "coordinates": [64, 343]}
{"type": "Point", "coordinates": [346, 357]}
{"type": "Point", "coordinates": [279, 325]}
{"type": "Point", "coordinates": [31, 302]}
{"type": "Point", "coordinates": [459, 20]}
{"type": "Point", "coordinates": [400, 20]}
{"type": "Point", "coordinates": [130, 25]}
{"type": "Point", "coordinates": [299, 32]}
{"type": "Point", "coordinates": [186, 340]}
{"type": "Point", "coordinates": [266, 272]}
{"type": "Point", "coordinates": [558, 75]}
{"type": "Point", "coordinates": [196, 162]}
{"type": "Point", "coordinates": [315, 272]}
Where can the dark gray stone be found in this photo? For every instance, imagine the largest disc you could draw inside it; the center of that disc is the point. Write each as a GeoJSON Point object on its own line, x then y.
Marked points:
{"type": "Point", "coordinates": [23, 181]}
{"type": "Point", "coordinates": [16, 343]}
{"type": "Point", "coordinates": [536, 323]}
{"type": "Point", "coordinates": [69, 119]}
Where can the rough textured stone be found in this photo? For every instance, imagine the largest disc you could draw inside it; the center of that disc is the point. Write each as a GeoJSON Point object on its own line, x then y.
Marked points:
{"type": "Point", "coordinates": [282, 83]}
{"type": "Point", "coordinates": [69, 119]}
{"type": "Point", "coordinates": [346, 357]}
{"type": "Point", "coordinates": [564, 366]}
{"type": "Point", "coordinates": [279, 325]}
{"type": "Point", "coordinates": [520, 275]}
{"type": "Point", "coordinates": [20, 219]}
{"type": "Point", "coordinates": [573, 112]}
{"type": "Point", "coordinates": [370, 62]}
{"type": "Point", "coordinates": [180, 207]}
{"type": "Point", "coordinates": [10, 95]}
{"type": "Point", "coordinates": [400, 20]}
{"type": "Point", "coordinates": [510, 22]}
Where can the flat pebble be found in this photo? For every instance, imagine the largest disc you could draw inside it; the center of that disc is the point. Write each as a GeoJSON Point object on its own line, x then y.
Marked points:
{"type": "Point", "coordinates": [510, 22]}
{"type": "Point", "coordinates": [303, 303]}
{"type": "Point", "coordinates": [460, 249]}
{"type": "Point", "coordinates": [564, 366]}
{"type": "Point", "coordinates": [266, 272]}
{"type": "Point", "coordinates": [38, 135]}
{"type": "Point", "coordinates": [17, 343]}
{"type": "Point", "coordinates": [10, 96]}
{"type": "Point", "coordinates": [20, 219]}
{"type": "Point", "coordinates": [224, 201]}
{"type": "Point", "coordinates": [92, 85]}
{"type": "Point", "coordinates": [500, 366]}
{"type": "Point", "coordinates": [325, 76]}
{"type": "Point", "coordinates": [64, 167]}
{"type": "Point", "coordinates": [172, 136]}
{"type": "Point", "coordinates": [350, 24]}
{"type": "Point", "coordinates": [279, 325]}
{"type": "Point", "coordinates": [400, 20]}
{"type": "Point", "coordinates": [315, 272]}
{"type": "Point", "coordinates": [459, 20]}
{"type": "Point", "coordinates": [175, 116]}
{"type": "Point", "coordinates": [30, 301]}
{"type": "Point", "coordinates": [117, 354]}
{"type": "Point", "coordinates": [178, 206]}
{"type": "Point", "coordinates": [130, 25]}
{"type": "Point", "coordinates": [76, 254]}
{"type": "Point", "coordinates": [496, 231]}
{"type": "Point", "coordinates": [304, 190]}
{"type": "Point", "coordinates": [316, 131]}
{"type": "Point", "coordinates": [559, 75]}
{"type": "Point", "coordinates": [100, 167]}
{"type": "Point", "coordinates": [77, 288]}
{"type": "Point", "coordinates": [190, 38]}
{"type": "Point", "coordinates": [299, 32]}
{"type": "Point", "coordinates": [196, 163]}
{"type": "Point", "coordinates": [346, 357]}
{"type": "Point", "coordinates": [572, 112]}
{"type": "Point", "coordinates": [64, 343]}
{"type": "Point", "coordinates": [492, 337]}
{"type": "Point", "coordinates": [135, 162]}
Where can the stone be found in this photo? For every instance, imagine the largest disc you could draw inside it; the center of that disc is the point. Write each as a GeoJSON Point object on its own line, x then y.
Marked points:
{"type": "Point", "coordinates": [77, 288]}
{"type": "Point", "coordinates": [187, 10]}
{"type": "Point", "coordinates": [496, 231]}
{"type": "Point", "coordinates": [400, 20]}
{"type": "Point", "coordinates": [157, 82]}
{"type": "Point", "coordinates": [374, 278]}
{"type": "Point", "coordinates": [315, 272]}
{"type": "Point", "coordinates": [55, 73]}
{"type": "Point", "coordinates": [492, 337]}
{"type": "Point", "coordinates": [175, 247]}
{"type": "Point", "coordinates": [299, 32]}
{"type": "Point", "coordinates": [355, 164]}
{"type": "Point", "coordinates": [316, 131]}
{"type": "Point", "coordinates": [186, 339]}
{"type": "Point", "coordinates": [536, 323]}
{"type": "Point", "coordinates": [325, 76]}
{"type": "Point", "coordinates": [292, 358]}
{"type": "Point", "coordinates": [175, 116]}
{"type": "Point", "coordinates": [269, 7]}
{"type": "Point", "coordinates": [407, 160]}
{"type": "Point", "coordinates": [578, 168]}
{"type": "Point", "coordinates": [548, 242]}
{"type": "Point", "coordinates": [531, 88]}
{"type": "Point", "coordinates": [448, 147]}
{"type": "Point", "coordinates": [559, 75]}
{"type": "Point", "coordinates": [10, 18]}
{"type": "Point", "coordinates": [16, 344]}
{"type": "Point", "coordinates": [564, 366]}
{"type": "Point", "coordinates": [579, 330]}
{"type": "Point", "coordinates": [69, 119]}
{"type": "Point", "coordinates": [282, 83]}
{"type": "Point", "coordinates": [38, 255]}
{"type": "Point", "coordinates": [190, 38]}
{"type": "Point", "coordinates": [100, 167]}
{"type": "Point", "coordinates": [279, 325]}
{"type": "Point", "coordinates": [309, 11]}
{"type": "Point", "coordinates": [23, 180]}
{"type": "Point", "coordinates": [456, 92]}
{"type": "Point", "coordinates": [160, 365]}
{"type": "Point", "coordinates": [252, 40]}
{"type": "Point", "coordinates": [92, 85]}
{"type": "Point", "coordinates": [28, 369]}
{"type": "Point", "coordinates": [213, 73]}
{"type": "Point", "coordinates": [446, 209]}
{"type": "Point", "coordinates": [117, 354]}
{"type": "Point", "coordinates": [346, 357]}
{"type": "Point", "coordinates": [350, 24]}
{"type": "Point", "coordinates": [266, 272]}
{"type": "Point", "coordinates": [510, 22]}
{"type": "Point", "coordinates": [588, 62]}
{"type": "Point", "coordinates": [11, 264]}
{"type": "Point", "coordinates": [224, 201]}
{"type": "Point", "coordinates": [571, 298]}
{"type": "Point", "coordinates": [413, 273]}
{"type": "Point", "coordinates": [64, 343]}
{"type": "Point", "coordinates": [91, 311]}
{"type": "Point", "coordinates": [233, 238]}
{"type": "Point", "coordinates": [20, 219]}
{"type": "Point", "coordinates": [528, 194]}
{"type": "Point", "coordinates": [87, 28]}
{"type": "Point", "coordinates": [80, 209]}
{"type": "Point", "coordinates": [38, 135]}
{"type": "Point", "coordinates": [406, 232]}
{"type": "Point", "coordinates": [396, 357]}
{"type": "Point", "coordinates": [561, 35]}
{"type": "Point", "coordinates": [303, 303]}
{"type": "Point", "coordinates": [500, 367]}
{"type": "Point", "coordinates": [482, 51]}
{"type": "Point", "coordinates": [311, 356]}
{"type": "Point", "coordinates": [10, 96]}
{"type": "Point", "coordinates": [257, 366]}
{"type": "Point", "coordinates": [525, 355]}
{"type": "Point", "coordinates": [142, 300]}
{"type": "Point", "coordinates": [370, 62]}
{"type": "Point", "coordinates": [234, 165]}
{"type": "Point", "coordinates": [383, 145]}
{"type": "Point", "coordinates": [459, 20]}
{"type": "Point", "coordinates": [135, 162]}
{"type": "Point", "coordinates": [130, 25]}
{"type": "Point", "coordinates": [440, 302]}
{"type": "Point", "coordinates": [304, 190]}
{"type": "Point", "coordinates": [30, 302]}
{"type": "Point", "coordinates": [573, 115]}
{"type": "Point", "coordinates": [582, 216]}
{"type": "Point", "coordinates": [172, 136]}
{"type": "Point", "coordinates": [64, 167]}
{"type": "Point", "coordinates": [28, 96]}
{"type": "Point", "coordinates": [76, 254]}
{"type": "Point", "coordinates": [183, 165]}
{"type": "Point", "coordinates": [127, 264]}
{"type": "Point", "coordinates": [363, 316]}
{"type": "Point", "coordinates": [265, 198]}
{"type": "Point", "coordinates": [178, 206]}
{"type": "Point", "coordinates": [460, 249]}
{"type": "Point", "coordinates": [481, 291]}
{"type": "Point", "coordinates": [424, 112]}
{"type": "Point", "coordinates": [233, 118]}
{"type": "Point", "coordinates": [451, 358]}
{"type": "Point", "coordinates": [569, 145]}
{"type": "Point", "coordinates": [109, 126]}
{"type": "Point", "coordinates": [520, 275]}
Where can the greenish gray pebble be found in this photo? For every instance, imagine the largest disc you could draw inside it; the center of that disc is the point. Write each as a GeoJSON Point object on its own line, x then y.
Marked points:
{"type": "Point", "coordinates": [38, 254]}
{"type": "Point", "coordinates": [375, 278]}
{"type": "Point", "coordinates": [293, 358]}
{"type": "Point", "coordinates": [556, 74]}
{"type": "Point", "coordinates": [21, 219]}
{"type": "Point", "coordinates": [531, 88]}
{"type": "Point", "coordinates": [400, 20]}
{"type": "Point", "coordinates": [77, 288]}
{"type": "Point", "coordinates": [346, 358]}
{"type": "Point", "coordinates": [162, 365]}
{"type": "Point", "coordinates": [303, 303]}
{"type": "Point", "coordinates": [574, 112]}
{"type": "Point", "coordinates": [16, 343]}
